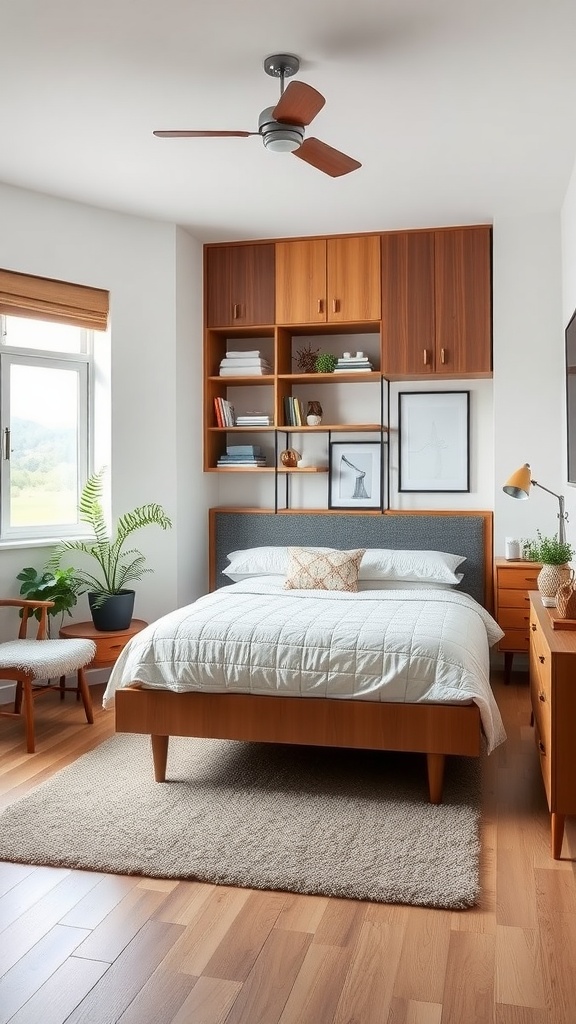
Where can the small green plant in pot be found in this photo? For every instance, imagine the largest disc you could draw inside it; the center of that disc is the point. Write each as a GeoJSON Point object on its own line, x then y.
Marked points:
{"type": "Point", "coordinates": [116, 567]}
{"type": "Point", "coordinates": [60, 586]}
{"type": "Point", "coordinates": [554, 555]}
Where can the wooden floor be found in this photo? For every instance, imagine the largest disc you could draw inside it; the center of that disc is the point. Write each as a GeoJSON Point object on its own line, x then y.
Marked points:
{"type": "Point", "coordinates": [84, 947]}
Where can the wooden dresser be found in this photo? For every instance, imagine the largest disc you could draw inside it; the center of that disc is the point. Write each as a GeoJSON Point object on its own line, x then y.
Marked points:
{"type": "Point", "coordinates": [553, 697]}
{"type": "Point", "coordinates": [513, 581]}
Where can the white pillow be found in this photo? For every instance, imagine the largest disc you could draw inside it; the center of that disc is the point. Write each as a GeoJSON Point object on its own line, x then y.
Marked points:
{"type": "Point", "coordinates": [377, 564]}
{"type": "Point", "coordinates": [424, 566]}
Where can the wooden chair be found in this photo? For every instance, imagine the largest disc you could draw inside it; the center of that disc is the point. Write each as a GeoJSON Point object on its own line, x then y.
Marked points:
{"type": "Point", "coordinates": [27, 660]}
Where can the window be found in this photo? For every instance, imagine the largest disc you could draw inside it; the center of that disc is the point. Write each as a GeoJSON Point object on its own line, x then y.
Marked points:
{"type": "Point", "coordinates": [46, 402]}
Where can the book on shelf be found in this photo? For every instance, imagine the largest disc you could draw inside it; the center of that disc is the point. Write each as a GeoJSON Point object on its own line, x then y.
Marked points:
{"type": "Point", "coordinates": [254, 354]}
{"type": "Point", "coordinates": [253, 421]}
{"type": "Point", "coordinates": [224, 412]}
{"type": "Point", "coordinates": [243, 449]}
{"type": "Point", "coordinates": [294, 413]}
{"type": "Point", "coordinates": [245, 371]}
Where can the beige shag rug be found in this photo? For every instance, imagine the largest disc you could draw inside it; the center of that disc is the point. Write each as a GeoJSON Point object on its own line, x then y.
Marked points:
{"type": "Point", "coordinates": [299, 819]}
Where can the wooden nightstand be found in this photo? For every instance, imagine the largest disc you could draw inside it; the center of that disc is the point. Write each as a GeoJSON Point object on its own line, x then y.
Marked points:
{"type": "Point", "coordinates": [513, 582]}
{"type": "Point", "coordinates": [553, 697]}
{"type": "Point", "coordinates": [108, 644]}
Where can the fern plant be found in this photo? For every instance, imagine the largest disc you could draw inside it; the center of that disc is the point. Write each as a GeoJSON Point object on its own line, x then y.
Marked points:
{"type": "Point", "coordinates": [116, 567]}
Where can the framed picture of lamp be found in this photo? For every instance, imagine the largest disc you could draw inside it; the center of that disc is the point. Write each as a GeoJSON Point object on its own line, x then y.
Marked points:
{"type": "Point", "coordinates": [355, 475]}
{"type": "Point", "coordinates": [434, 441]}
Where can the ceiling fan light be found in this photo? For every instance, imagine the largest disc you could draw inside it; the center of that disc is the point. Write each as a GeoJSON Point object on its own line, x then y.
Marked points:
{"type": "Point", "coordinates": [283, 140]}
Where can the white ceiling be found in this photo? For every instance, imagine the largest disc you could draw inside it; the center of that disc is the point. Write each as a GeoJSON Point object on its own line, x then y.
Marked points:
{"type": "Point", "coordinates": [460, 111]}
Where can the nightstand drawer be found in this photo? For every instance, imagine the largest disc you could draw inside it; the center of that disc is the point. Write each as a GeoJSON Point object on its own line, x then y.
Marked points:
{"type": "Point", "coordinates": [517, 640]}
{"type": "Point", "coordinates": [513, 599]}
{"type": "Point", "coordinates": [517, 579]}
{"type": "Point", "coordinates": [515, 618]}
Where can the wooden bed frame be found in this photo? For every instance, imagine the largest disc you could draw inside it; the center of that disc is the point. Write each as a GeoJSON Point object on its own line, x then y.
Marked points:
{"type": "Point", "coordinates": [432, 729]}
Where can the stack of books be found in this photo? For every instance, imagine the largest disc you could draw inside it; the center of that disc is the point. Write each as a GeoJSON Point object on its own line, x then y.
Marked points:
{"type": "Point", "coordinates": [244, 364]}
{"type": "Point", "coordinates": [353, 364]}
{"type": "Point", "coordinates": [253, 419]}
{"type": "Point", "coordinates": [242, 455]}
{"type": "Point", "coordinates": [224, 412]}
{"type": "Point", "coordinates": [294, 413]}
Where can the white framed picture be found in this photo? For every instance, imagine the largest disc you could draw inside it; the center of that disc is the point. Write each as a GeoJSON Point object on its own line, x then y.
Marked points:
{"type": "Point", "coordinates": [434, 440]}
{"type": "Point", "coordinates": [355, 474]}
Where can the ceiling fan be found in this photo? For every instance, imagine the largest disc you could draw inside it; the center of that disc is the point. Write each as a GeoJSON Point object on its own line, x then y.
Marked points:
{"type": "Point", "coordinates": [282, 127]}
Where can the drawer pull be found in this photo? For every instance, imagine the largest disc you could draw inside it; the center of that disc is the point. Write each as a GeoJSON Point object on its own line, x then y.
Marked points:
{"type": "Point", "coordinates": [541, 659]}
{"type": "Point", "coordinates": [320, 306]}
{"type": "Point", "coordinates": [533, 627]}
{"type": "Point", "coordinates": [541, 748]}
{"type": "Point", "coordinates": [116, 647]}
{"type": "Point", "coordinates": [542, 697]}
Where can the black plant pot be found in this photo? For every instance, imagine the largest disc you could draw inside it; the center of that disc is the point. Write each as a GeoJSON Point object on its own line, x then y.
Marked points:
{"type": "Point", "coordinates": [115, 613]}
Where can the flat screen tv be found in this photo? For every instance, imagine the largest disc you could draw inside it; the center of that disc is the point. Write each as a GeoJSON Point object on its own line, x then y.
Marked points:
{"type": "Point", "coordinates": [571, 397]}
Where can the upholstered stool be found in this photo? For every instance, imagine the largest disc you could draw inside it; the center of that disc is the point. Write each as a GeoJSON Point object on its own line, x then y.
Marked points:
{"type": "Point", "coordinates": [27, 661]}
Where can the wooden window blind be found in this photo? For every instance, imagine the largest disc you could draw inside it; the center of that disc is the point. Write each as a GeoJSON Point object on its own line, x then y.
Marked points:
{"type": "Point", "coordinates": [44, 299]}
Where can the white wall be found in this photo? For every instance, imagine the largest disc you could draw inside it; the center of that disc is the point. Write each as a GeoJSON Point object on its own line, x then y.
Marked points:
{"type": "Point", "coordinates": [153, 272]}
{"type": "Point", "coordinates": [529, 377]}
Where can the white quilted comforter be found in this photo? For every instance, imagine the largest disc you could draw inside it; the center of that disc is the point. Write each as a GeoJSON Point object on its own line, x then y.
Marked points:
{"type": "Point", "coordinates": [255, 637]}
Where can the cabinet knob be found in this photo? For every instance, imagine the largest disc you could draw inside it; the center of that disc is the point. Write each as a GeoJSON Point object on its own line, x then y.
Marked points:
{"type": "Point", "coordinates": [334, 305]}
{"type": "Point", "coordinates": [541, 747]}
{"type": "Point", "coordinates": [320, 309]}
{"type": "Point", "coordinates": [425, 357]}
{"type": "Point", "coordinates": [442, 355]}
{"type": "Point", "coordinates": [533, 627]}
{"type": "Point", "coordinates": [542, 698]}
{"type": "Point", "coordinates": [541, 659]}
{"type": "Point", "coordinates": [235, 310]}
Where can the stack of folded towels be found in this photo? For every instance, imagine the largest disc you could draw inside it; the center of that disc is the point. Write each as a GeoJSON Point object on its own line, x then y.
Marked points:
{"type": "Point", "coordinates": [244, 364]}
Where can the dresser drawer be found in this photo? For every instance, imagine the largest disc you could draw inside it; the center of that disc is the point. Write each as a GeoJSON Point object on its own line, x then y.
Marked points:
{"type": "Point", "coordinates": [517, 579]}
{"type": "Point", "coordinates": [108, 648]}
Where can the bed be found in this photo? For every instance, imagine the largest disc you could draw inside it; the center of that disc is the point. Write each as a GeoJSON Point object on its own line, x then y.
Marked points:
{"type": "Point", "coordinates": [210, 671]}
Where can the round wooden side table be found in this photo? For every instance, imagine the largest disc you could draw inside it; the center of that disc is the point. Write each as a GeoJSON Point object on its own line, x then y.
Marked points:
{"type": "Point", "coordinates": [109, 644]}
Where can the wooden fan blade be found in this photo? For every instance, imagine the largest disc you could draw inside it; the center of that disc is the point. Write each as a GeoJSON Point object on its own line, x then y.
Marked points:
{"type": "Point", "coordinates": [203, 135]}
{"type": "Point", "coordinates": [298, 104]}
{"type": "Point", "coordinates": [326, 159]}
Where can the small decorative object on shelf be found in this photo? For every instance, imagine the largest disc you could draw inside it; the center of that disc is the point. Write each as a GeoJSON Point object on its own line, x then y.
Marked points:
{"type": "Point", "coordinates": [305, 358]}
{"type": "Point", "coordinates": [326, 363]}
{"type": "Point", "coordinates": [566, 598]}
{"type": "Point", "coordinates": [290, 458]}
{"type": "Point", "coordinates": [314, 414]}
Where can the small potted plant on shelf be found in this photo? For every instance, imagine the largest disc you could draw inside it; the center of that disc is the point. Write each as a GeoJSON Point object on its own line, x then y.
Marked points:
{"type": "Point", "coordinates": [111, 601]}
{"type": "Point", "coordinates": [554, 555]}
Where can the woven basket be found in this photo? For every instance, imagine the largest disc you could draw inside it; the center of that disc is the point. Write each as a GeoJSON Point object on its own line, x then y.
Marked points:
{"type": "Point", "coordinates": [566, 599]}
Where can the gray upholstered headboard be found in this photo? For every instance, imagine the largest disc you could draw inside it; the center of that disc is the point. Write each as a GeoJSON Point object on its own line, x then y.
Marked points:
{"type": "Point", "coordinates": [463, 533]}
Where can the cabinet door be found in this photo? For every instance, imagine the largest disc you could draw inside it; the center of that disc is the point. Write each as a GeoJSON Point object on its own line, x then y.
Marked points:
{"type": "Point", "coordinates": [408, 336]}
{"type": "Point", "coordinates": [301, 281]}
{"type": "Point", "coordinates": [353, 278]}
{"type": "Point", "coordinates": [240, 285]}
{"type": "Point", "coordinates": [463, 300]}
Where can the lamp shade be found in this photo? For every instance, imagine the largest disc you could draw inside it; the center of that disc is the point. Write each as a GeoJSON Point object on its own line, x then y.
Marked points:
{"type": "Point", "coordinates": [518, 486]}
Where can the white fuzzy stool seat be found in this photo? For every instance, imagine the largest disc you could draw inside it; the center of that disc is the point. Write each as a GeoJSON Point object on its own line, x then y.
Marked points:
{"type": "Point", "coordinates": [26, 661]}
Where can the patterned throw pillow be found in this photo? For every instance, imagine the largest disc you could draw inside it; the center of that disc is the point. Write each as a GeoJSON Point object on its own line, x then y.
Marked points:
{"type": "Point", "coordinates": [311, 569]}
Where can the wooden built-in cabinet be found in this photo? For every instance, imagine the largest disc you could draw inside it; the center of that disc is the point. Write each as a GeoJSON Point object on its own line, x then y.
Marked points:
{"type": "Point", "coordinates": [421, 298]}
{"type": "Point", "coordinates": [436, 303]}
{"type": "Point", "coordinates": [553, 698]}
{"type": "Point", "coordinates": [328, 280]}
{"type": "Point", "coordinates": [239, 284]}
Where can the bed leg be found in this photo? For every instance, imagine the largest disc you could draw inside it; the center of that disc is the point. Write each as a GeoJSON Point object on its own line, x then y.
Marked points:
{"type": "Point", "coordinates": [160, 756]}
{"type": "Point", "coordinates": [435, 764]}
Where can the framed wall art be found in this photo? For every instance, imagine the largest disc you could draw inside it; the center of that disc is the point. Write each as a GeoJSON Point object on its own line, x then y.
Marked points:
{"type": "Point", "coordinates": [434, 440]}
{"type": "Point", "coordinates": [355, 474]}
